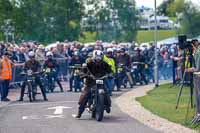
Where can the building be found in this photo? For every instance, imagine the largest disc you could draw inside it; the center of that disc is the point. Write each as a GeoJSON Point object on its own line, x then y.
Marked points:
{"type": "Point", "coordinates": [147, 20]}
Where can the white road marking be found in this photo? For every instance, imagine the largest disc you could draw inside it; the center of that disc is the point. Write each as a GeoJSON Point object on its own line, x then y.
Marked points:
{"type": "Point", "coordinates": [74, 115]}
{"type": "Point", "coordinates": [35, 117]}
{"type": "Point", "coordinates": [40, 103]}
{"type": "Point", "coordinates": [59, 109]}
{"type": "Point", "coordinates": [32, 117]}
{"type": "Point", "coordinates": [54, 116]}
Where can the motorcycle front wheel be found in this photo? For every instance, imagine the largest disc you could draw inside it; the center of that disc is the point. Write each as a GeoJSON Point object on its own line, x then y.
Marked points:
{"type": "Point", "coordinates": [30, 91]}
{"type": "Point", "coordinates": [100, 107]}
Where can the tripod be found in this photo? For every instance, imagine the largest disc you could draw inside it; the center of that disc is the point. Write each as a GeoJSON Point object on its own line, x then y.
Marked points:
{"type": "Point", "coordinates": [190, 60]}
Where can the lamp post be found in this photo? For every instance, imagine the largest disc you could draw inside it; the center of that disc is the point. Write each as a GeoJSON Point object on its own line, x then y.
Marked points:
{"type": "Point", "coordinates": [156, 52]}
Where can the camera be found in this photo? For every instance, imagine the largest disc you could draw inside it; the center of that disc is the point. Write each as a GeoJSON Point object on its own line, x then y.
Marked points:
{"type": "Point", "coordinates": [184, 44]}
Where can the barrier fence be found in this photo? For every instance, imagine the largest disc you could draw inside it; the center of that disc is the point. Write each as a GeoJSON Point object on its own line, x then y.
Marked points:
{"type": "Point", "coordinates": [62, 73]}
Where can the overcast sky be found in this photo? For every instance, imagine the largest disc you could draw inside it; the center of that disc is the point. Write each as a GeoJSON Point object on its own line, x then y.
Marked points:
{"type": "Point", "coordinates": [150, 3]}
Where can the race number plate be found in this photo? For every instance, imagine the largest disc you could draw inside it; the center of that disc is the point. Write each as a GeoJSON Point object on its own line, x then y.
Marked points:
{"type": "Point", "coordinates": [29, 72]}
{"type": "Point", "coordinates": [99, 82]}
{"type": "Point", "coordinates": [134, 67]}
{"type": "Point", "coordinates": [48, 70]}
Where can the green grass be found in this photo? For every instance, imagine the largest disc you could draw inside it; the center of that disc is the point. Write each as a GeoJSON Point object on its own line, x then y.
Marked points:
{"type": "Point", "coordinates": [162, 102]}
{"type": "Point", "coordinates": [147, 36]}
{"type": "Point", "coordinates": [174, 19]}
{"type": "Point", "coordinates": [88, 37]}
{"type": "Point", "coordinates": [142, 36]}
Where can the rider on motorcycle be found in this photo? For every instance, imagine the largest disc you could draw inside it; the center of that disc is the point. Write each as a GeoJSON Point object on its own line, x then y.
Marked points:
{"type": "Point", "coordinates": [34, 66]}
{"type": "Point", "coordinates": [75, 60]}
{"type": "Point", "coordinates": [52, 64]}
{"type": "Point", "coordinates": [124, 59]}
{"type": "Point", "coordinates": [98, 68]}
{"type": "Point", "coordinates": [139, 57]}
{"type": "Point", "coordinates": [84, 54]}
{"type": "Point", "coordinates": [108, 58]}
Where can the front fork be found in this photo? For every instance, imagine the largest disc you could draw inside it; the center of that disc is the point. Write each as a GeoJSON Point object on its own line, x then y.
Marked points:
{"type": "Point", "coordinates": [100, 90]}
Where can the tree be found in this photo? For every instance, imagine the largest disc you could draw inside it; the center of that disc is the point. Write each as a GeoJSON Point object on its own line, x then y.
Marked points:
{"type": "Point", "coordinates": [50, 20]}
{"type": "Point", "coordinates": [167, 8]}
{"type": "Point", "coordinates": [127, 19]}
{"type": "Point", "coordinates": [63, 18]}
{"type": "Point", "coordinates": [190, 20]}
{"type": "Point", "coordinates": [6, 10]}
{"type": "Point", "coordinates": [171, 7]}
{"type": "Point", "coordinates": [43, 20]}
{"type": "Point", "coordinates": [115, 19]}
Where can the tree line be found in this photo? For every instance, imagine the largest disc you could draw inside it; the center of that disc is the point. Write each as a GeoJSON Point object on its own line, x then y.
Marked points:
{"type": "Point", "coordinates": [185, 12]}
{"type": "Point", "coordinates": [58, 20]}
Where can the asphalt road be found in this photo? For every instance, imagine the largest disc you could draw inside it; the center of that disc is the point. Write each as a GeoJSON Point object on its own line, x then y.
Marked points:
{"type": "Point", "coordinates": [43, 117]}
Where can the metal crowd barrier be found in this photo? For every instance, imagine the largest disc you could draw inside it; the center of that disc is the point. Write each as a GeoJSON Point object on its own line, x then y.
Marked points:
{"type": "Point", "coordinates": [17, 78]}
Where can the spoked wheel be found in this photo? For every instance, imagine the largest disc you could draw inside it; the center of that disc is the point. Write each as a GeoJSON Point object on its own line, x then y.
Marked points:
{"type": "Point", "coordinates": [50, 85]}
{"type": "Point", "coordinates": [100, 108]}
{"type": "Point", "coordinates": [30, 92]}
{"type": "Point", "coordinates": [46, 85]}
{"type": "Point", "coordinates": [93, 114]}
{"type": "Point", "coordinates": [76, 84]}
{"type": "Point", "coordinates": [34, 92]}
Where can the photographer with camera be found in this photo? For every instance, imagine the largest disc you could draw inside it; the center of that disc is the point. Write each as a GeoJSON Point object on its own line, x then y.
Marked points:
{"type": "Point", "coordinates": [194, 51]}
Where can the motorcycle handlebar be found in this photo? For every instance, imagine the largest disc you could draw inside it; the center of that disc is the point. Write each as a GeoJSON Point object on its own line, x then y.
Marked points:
{"type": "Point", "coordinates": [141, 63]}
{"type": "Point", "coordinates": [75, 67]}
{"type": "Point", "coordinates": [32, 74]}
{"type": "Point", "coordinates": [93, 77]}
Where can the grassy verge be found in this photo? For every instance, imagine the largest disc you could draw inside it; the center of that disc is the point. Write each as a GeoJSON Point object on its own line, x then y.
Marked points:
{"type": "Point", "coordinates": [174, 19]}
{"type": "Point", "coordinates": [162, 102]}
{"type": "Point", "coordinates": [147, 36]}
{"type": "Point", "coordinates": [142, 36]}
{"type": "Point", "coordinates": [88, 37]}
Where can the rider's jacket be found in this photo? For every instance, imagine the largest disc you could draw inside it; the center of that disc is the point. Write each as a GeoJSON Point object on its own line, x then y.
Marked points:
{"type": "Point", "coordinates": [99, 69]}
{"type": "Point", "coordinates": [75, 60]}
{"type": "Point", "coordinates": [51, 63]}
{"type": "Point", "coordinates": [33, 65]}
{"type": "Point", "coordinates": [124, 59]}
{"type": "Point", "coordinates": [110, 62]}
{"type": "Point", "coordinates": [139, 58]}
{"type": "Point", "coordinates": [84, 57]}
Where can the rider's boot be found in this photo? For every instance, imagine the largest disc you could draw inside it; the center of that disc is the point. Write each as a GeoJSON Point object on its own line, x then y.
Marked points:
{"type": "Point", "coordinates": [108, 109]}
{"type": "Point", "coordinates": [78, 116]}
{"type": "Point", "coordinates": [20, 99]}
